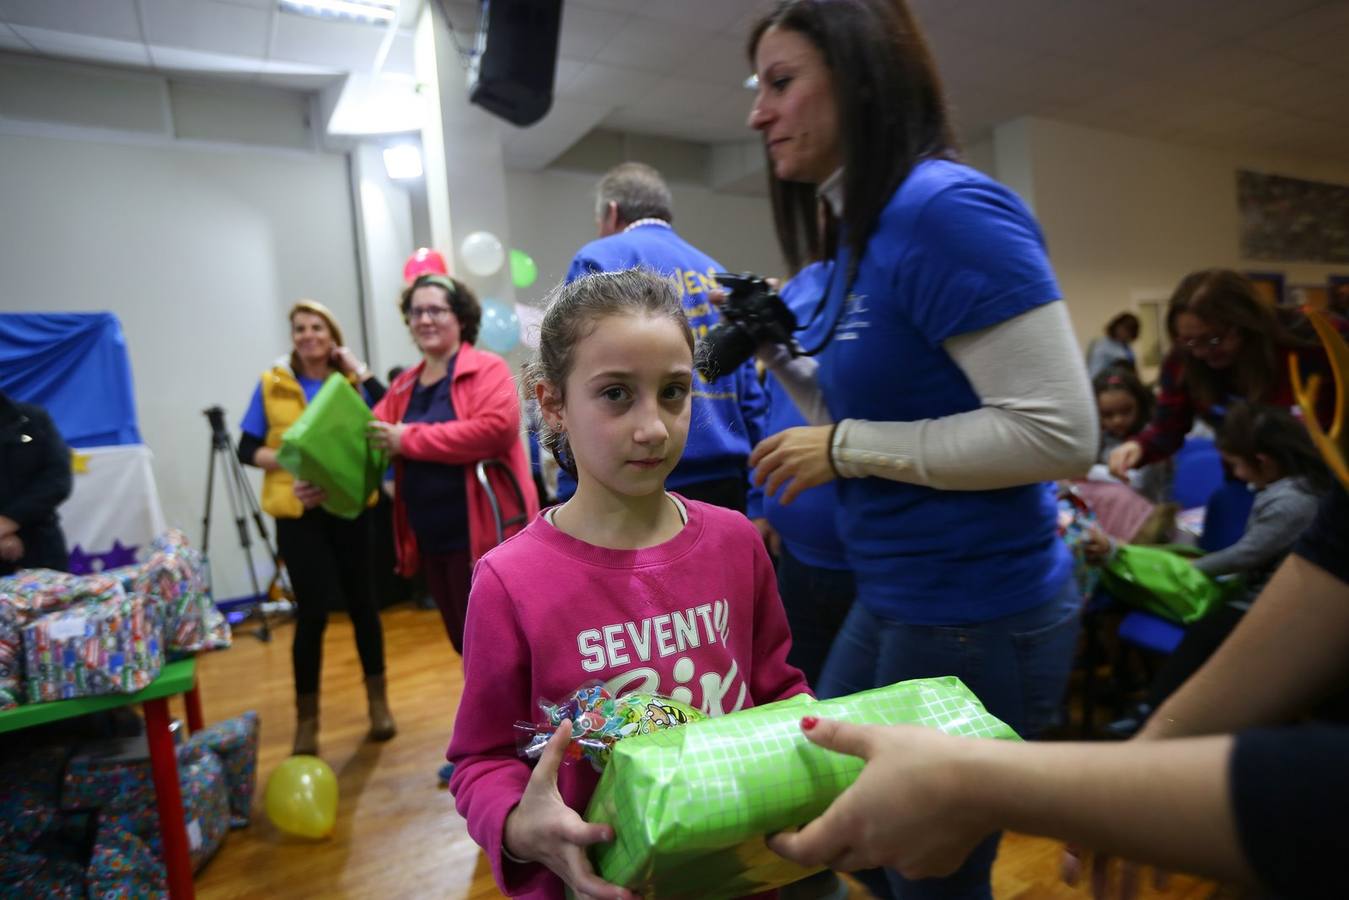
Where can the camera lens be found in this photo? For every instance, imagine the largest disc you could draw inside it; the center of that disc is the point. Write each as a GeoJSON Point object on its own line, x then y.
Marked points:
{"type": "Point", "coordinates": [723, 349]}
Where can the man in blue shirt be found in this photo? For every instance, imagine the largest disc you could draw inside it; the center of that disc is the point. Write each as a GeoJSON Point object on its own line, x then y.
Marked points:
{"type": "Point", "coordinates": [633, 214]}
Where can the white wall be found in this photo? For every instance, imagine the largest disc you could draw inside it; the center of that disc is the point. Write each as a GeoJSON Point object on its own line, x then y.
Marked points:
{"type": "Point", "coordinates": [386, 232]}
{"type": "Point", "coordinates": [1125, 216]}
{"type": "Point", "coordinates": [199, 251]}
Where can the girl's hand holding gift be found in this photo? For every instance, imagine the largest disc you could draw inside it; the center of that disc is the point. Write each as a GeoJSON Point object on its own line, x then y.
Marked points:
{"type": "Point", "coordinates": [545, 830]}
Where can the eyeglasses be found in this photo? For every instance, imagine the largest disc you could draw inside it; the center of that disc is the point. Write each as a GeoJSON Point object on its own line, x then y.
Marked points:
{"type": "Point", "coordinates": [437, 313]}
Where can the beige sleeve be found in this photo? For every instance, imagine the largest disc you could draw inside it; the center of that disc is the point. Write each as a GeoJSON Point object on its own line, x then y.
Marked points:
{"type": "Point", "coordinates": [1037, 422]}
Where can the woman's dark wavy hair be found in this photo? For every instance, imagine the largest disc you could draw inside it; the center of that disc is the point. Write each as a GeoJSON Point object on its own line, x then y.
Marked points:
{"type": "Point", "coordinates": [891, 115]}
{"type": "Point", "coordinates": [1250, 429]}
{"type": "Point", "coordinates": [1227, 300]}
{"type": "Point", "coordinates": [463, 303]}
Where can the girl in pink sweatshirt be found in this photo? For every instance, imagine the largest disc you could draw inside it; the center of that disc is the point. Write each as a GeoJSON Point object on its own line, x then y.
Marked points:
{"type": "Point", "coordinates": [624, 583]}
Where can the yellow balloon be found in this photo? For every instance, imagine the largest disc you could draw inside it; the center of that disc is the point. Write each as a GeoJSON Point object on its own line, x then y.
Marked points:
{"type": "Point", "coordinates": [302, 797]}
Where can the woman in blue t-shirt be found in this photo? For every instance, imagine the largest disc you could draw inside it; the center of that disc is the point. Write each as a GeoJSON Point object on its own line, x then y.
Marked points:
{"type": "Point", "coordinates": [327, 557]}
{"type": "Point", "coordinates": [943, 383]}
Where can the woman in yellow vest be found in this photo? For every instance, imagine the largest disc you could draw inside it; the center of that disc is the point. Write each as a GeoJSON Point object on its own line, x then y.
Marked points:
{"type": "Point", "coordinates": [327, 557]}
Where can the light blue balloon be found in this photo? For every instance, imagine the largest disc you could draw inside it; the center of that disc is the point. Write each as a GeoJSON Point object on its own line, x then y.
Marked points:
{"type": "Point", "coordinates": [499, 330]}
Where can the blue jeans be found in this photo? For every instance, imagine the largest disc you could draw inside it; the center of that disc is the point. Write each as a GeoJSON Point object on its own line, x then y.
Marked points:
{"type": "Point", "coordinates": [1017, 666]}
{"type": "Point", "coordinates": [816, 601]}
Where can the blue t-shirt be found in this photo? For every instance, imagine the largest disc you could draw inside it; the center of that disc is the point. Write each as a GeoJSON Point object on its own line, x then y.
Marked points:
{"type": "Point", "coordinates": [435, 493]}
{"type": "Point", "coordinates": [807, 524]}
{"type": "Point", "coordinates": [728, 414]}
{"type": "Point", "coordinates": [953, 252]}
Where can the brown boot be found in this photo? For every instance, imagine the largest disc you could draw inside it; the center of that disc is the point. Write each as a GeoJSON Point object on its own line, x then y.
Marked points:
{"type": "Point", "coordinates": [306, 725]}
{"type": "Point", "coordinates": [382, 726]}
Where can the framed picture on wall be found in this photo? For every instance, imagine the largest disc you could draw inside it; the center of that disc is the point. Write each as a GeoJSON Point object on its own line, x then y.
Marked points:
{"type": "Point", "coordinates": [1337, 294]}
{"type": "Point", "coordinates": [1269, 285]}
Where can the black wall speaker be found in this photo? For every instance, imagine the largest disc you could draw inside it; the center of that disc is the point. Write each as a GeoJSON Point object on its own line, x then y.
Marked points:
{"type": "Point", "coordinates": [513, 72]}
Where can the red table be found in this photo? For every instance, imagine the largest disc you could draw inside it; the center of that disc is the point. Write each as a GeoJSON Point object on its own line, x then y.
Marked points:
{"type": "Point", "coordinates": [176, 678]}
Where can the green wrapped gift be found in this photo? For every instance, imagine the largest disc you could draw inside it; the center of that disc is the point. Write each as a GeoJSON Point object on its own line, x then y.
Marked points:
{"type": "Point", "coordinates": [327, 447]}
{"type": "Point", "coordinates": [690, 806]}
{"type": "Point", "coordinates": [1162, 581]}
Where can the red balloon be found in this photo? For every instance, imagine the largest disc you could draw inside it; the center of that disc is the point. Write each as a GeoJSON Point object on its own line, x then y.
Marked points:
{"type": "Point", "coordinates": [424, 262]}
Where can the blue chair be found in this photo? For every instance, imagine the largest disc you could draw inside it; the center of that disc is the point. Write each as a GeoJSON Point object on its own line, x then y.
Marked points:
{"type": "Point", "coordinates": [1149, 632]}
{"type": "Point", "coordinates": [1225, 516]}
{"type": "Point", "coordinates": [1199, 472]}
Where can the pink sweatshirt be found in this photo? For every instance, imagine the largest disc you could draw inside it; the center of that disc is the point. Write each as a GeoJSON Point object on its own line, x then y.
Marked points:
{"type": "Point", "coordinates": [697, 619]}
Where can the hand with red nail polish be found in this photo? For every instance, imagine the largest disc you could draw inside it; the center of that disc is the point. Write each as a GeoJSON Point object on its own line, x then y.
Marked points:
{"type": "Point", "coordinates": [885, 818]}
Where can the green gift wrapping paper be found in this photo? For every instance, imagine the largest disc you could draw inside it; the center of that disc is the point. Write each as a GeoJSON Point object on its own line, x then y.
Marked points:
{"type": "Point", "coordinates": [690, 806]}
{"type": "Point", "coordinates": [327, 447]}
{"type": "Point", "coordinates": [1162, 581]}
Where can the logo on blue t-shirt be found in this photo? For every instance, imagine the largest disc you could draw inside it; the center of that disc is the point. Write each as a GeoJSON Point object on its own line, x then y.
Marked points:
{"type": "Point", "coordinates": [855, 312]}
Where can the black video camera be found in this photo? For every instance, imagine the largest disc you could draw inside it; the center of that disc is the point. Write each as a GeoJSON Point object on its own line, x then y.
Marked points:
{"type": "Point", "coordinates": [752, 315]}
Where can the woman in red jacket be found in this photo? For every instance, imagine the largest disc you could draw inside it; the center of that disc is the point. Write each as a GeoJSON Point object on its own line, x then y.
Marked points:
{"type": "Point", "coordinates": [458, 407]}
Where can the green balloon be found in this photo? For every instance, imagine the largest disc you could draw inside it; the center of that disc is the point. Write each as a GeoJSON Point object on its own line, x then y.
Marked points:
{"type": "Point", "coordinates": [523, 270]}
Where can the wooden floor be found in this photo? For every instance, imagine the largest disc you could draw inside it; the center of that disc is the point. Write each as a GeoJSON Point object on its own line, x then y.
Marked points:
{"type": "Point", "coordinates": [397, 833]}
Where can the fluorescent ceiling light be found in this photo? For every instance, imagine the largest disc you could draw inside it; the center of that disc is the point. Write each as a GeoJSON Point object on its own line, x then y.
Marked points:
{"type": "Point", "coordinates": [403, 161]}
{"type": "Point", "coordinates": [752, 82]}
{"type": "Point", "coordinates": [371, 11]}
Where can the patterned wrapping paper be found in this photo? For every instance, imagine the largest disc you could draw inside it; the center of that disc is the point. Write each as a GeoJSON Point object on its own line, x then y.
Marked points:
{"type": "Point", "coordinates": [176, 577]}
{"type": "Point", "coordinates": [11, 656]}
{"type": "Point", "coordinates": [109, 645]}
{"type": "Point", "coordinates": [34, 875]}
{"type": "Point", "coordinates": [235, 741]}
{"type": "Point", "coordinates": [123, 792]}
{"type": "Point", "coordinates": [690, 805]}
{"type": "Point", "coordinates": [122, 866]}
{"type": "Point", "coordinates": [25, 596]}
{"type": "Point", "coordinates": [30, 796]}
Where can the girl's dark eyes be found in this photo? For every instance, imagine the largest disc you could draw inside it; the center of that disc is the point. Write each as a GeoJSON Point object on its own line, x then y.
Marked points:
{"type": "Point", "coordinates": [614, 394]}
{"type": "Point", "coordinates": [676, 391]}
{"type": "Point", "coordinates": [778, 84]}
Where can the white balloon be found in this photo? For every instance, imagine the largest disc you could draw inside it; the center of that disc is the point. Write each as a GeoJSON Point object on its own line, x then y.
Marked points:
{"type": "Point", "coordinates": [483, 253]}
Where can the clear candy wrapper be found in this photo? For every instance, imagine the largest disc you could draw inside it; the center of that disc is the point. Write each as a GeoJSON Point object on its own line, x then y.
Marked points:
{"type": "Point", "coordinates": [600, 720]}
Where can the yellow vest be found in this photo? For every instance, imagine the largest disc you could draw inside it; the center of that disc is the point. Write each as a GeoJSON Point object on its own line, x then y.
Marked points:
{"type": "Point", "coordinates": [282, 402]}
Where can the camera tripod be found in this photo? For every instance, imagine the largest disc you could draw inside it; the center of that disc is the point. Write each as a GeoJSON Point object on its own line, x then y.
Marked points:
{"type": "Point", "coordinates": [242, 503]}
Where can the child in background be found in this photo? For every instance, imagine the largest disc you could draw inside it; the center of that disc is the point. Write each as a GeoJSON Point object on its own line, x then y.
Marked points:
{"type": "Point", "coordinates": [624, 583]}
{"type": "Point", "coordinates": [1270, 450]}
{"type": "Point", "coordinates": [1124, 406]}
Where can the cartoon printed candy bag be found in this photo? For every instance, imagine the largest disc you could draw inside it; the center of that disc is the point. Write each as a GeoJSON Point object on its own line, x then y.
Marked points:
{"type": "Point", "coordinates": [599, 720]}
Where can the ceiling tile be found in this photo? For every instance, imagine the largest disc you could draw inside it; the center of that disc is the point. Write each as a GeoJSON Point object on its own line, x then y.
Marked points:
{"type": "Point", "coordinates": [717, 60]}
{"type": "Point", "coordinates": [609, 85]}
{"type": "Point", "coordinates": [649, 45]}
{"type": "Point", "coordinates": [85, 47]}
{"type": "Point", "coordinates": [104, 18]}
{"type": "Point", "coordinates": [585, 31]}
{"type": "Point", "coordinates": [1238, 18]}
{"type": "Point", "coordinates": [213, 27]}
{"type": "Point", "coordinates": [10, 40]}
{"type": "Point", "coordinates": [705, 15]}
{"type": "Point", "coordinates": [344, 45]}
{"type": "Point", "coordinates": [682, 99]}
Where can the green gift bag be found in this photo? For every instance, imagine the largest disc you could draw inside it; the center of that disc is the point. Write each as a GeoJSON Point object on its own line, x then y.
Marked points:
{"type": "Point", "coordinates": [690, 806]}
{"type": "Point", "coordinates": [1162, 581]}
{"type": "Point", "coordinates": [327, 447]}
